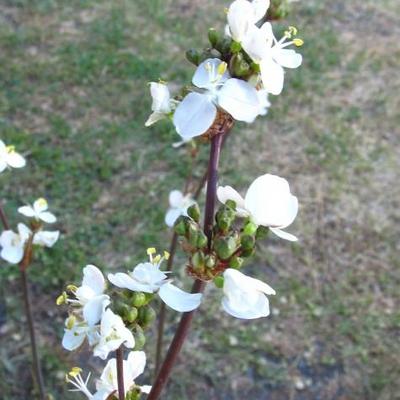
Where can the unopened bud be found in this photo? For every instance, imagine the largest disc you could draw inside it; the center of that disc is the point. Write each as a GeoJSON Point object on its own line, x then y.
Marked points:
{"type": "Point", "coordinates": [140, 338]}
{"type": "Point", "coordinates": [235, 47]}
{"type": "Point", "coordinates": [146, 315]}
{"type": "Point", "coordinates": [192, 233]}
{"type": "Point", "coordinates": [247, 253]}
{"type": "Point", "coordinates": [250, 229]}
{"type": "Point", "coordinates": [194, 212]}
{"type": "Point", "coordinates": [202, 240]}
{"type": "Point", "coordinates": [239, 66]}
{"type": "Point", "coordinates": [193, 56]}
{"type": "Point", "coordinates": [180, 226]}
{"type": "Point", "coordinates": [213, 37]}
{"type": "Point", "coordinates": [231, 204]}
{"type": "Point", "coordinates": [219, 282]}
{"type": "Point", "coordinates": [198, 260]}
{"type": "Point", "coordinates": [247, 242]}
{"type": "Point", "coordinates": [210, 261]}
{"type": "Point", "coordinates": [262, 232]}
{"type": "Point", "coordinates": [138, 299]}
{"type": "Point", "coordinates": [224, 46]}
{"type": "Point", "coordinates": [236, 262]}
{"type": "Point", "coordinates": [225, 247]}
{"type": "Point", "coordinates": [131, 315]}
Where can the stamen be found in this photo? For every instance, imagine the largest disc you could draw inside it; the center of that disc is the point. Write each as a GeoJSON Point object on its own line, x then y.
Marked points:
{"type": "Point", "coordinates": [62, 299]}
{"type": "Point", "coordinates": [70, 322]}
{"type": "Point", "coordinates": [222, 68]}
{"type": "Point", "coordinates": [10, 149]}
{"type": "Point", "coordinates": [166, 255]}
{"type": "Point", "coordinates": [298, 42]}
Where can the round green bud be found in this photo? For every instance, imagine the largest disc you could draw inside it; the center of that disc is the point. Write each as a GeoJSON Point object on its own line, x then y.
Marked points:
{"type": "Point", "coordinates": [262, 232]}
{"type": "Point", "coordinates": [235, 47]}
{"type": "Point", "coordinates": [213, 37]}
{"type": "Point", "coordinates": [224, 46]}
{"type": "Point", "coordinates": [140, 338]}
{"type": "Point", "coordinates": [198, 260]}
{"type": "Point", "coordinates": [239, 66]}
{"type": "Point", "coordinates": [146, 315]}
{"type": "Point", "coordinates": [193, 56]}
{"type": "Point", "coordinates": [225, 247]}
{"type": "Point", "coordinates": [210, 261]}
{"type": "Point", "coordinates": [247, 253]}
{"type": "Point", "coordinates": [231, 204]}
{"type": "Point", "coordinates": [193, 233]}
{"type": "Point", "coordinates": [250, 229]}
{"type": "Point", "coordinates": [138, 299]}
{"type": "Point", "coordinates": [180, 226]}
{"type": "Point", "coordinates": [131, 314]}
{"type": "Point", "coordinates": [236, 262]}
{"type": "Point", "coordinates": [247, 242]}
{"type": "Point", "coordinates": [202, 240]}
{"type": "Point", "coordinates": [194, 212]}
{"type": "Point", "coordinates": [219, 282]}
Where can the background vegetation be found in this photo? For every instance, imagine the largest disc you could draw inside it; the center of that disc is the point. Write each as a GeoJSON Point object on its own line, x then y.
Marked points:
{"type": "Point", "coordinates": [73, 96]}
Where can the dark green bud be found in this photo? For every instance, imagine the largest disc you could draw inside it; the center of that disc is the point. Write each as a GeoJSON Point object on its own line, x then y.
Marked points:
{"type": "Point", "coordinates": [140, 338]}
{"type": "Point", "coordinates": [247, 253]}
{"type": "Point", "coordinates": [138, 299]}
{"type": "Point", "coordinates": [193, 56]}
{"type": "Point", "coordinates": [255, 68]}
{"type": "Point", "coordinates": [224, 46]}
{"type": "Point", "coordinates": [219, 282]}
{"type": "Point", "coordinates": [225, 218]}
{"type": "Point", "coordinates": [213, 37]}
{"type": "Point", "coordinates": [247, 242]}
{"type": "Point", "coordinates": [236, 262]}
{"type": "Point", "coordinates": [231, 204]}
{"type": "Point", "coordinates": [149, 297]}
{"type": "Point", "coordinates": [202, 240]}
{"type": "Point", "coordinates": [133, 394]}
{"type": "Point", "coordinates": [250, 229]}
{"type": "Point", "coordinates": [131, 315]}
{"type": "Point", "coordinates": [210, 261]}
{"type": "Point", "coordinates": [194, 212]}
{"type": "Point", "coordinates": [235, 47]}
{"type": "Point", "coordinates": [239, 66]}
{"type": "Point", "coordinates": [225, 247]}
{"type": "Point", "coordinates": [146, 315]}
{"type": "Point", "coordinates": [198, 260]}
{"type": "Point", "coordinates": [180, 226]}
{"type": "Point", "coordinates": [262, 232]}
{"type": "Point", "coordinates": [192, 233]}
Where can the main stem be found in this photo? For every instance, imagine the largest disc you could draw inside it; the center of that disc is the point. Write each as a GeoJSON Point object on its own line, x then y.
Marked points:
{"type": "Point", "coordinates": [198, 286]}
{"type": "Point", "coordinates": [28, 311]}
{"type": "Point", "coordinates": [120, 373]}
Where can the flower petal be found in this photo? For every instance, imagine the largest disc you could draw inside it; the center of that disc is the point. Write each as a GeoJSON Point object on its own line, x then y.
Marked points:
{"type": "Point", "coordinates": [225, 193]}
{"type": "Point", "coordinates": [239, 99]}
{"type": "Point", "coordinates": [154, 117]}
{"type": "Point", "coordinates": [46, 238]}
{"type": "Point", "coordinates": [136, 363]}
{"type": "Point", "coordinates": [28, 211]}
{"type": "Point", "coordinates": [194, 115]}
{"type": "Point", "coordinates": [94, 309]}
{"type": "Point", "coordinates": [171, 216]}
{"type": "Point", "coordinates": [48, 217]}
{"type": "Point", "coordinates": [124, 281]}
{"type": "Point", "coordinates": [15, 160]}
{"type": "Point", "coordinates": [179, 300]}
{"type": "Point", "coordinates": [284, 235]}
{"type": "Point", "coordinates": [287, 58]}
{"type": "Point", "coordinates": [72, 339]}
{"type": "Point", "coordinates": [161, 98]}
{"type": "Point", "coordinates": [94, 278]}
{"type": "Point", "coordinates": [272, 75]}
{"type": "Point", "coordinates": [207, 75]}
{"type": "Point", "coordinates": [176, 198]}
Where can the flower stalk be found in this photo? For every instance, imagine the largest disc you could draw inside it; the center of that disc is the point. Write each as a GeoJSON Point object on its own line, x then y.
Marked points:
{"type": "Point", "coordinates": [120, 373]}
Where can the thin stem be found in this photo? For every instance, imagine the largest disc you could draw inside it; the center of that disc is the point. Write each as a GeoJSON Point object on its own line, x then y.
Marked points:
{"type": "Point", "coordinates": [198, 285]}
{"type": "Point", "coordinates": [120, 373]}
{"type": "Point", "coordinates": [28, 310]}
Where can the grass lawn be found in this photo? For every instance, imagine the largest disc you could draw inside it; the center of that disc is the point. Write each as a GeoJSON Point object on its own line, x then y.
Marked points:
{"type": "Point", "coordinates": [73, 99]}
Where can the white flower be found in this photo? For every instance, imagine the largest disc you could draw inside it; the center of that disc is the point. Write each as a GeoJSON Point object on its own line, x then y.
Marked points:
{"type": "Point", "coordinates": [76, 332]}
{"type": "Point", "coordinates": [197, 112]}
{"type": "Point", "coordinates": [162, 103]}
{"type": "Point", "coordinates": [133, 367]}
{"type": "Point", "coordinates": [74, 377]}
{"type": "Point", "coordinates": [264, 102]}
{"type": "Point", "coordinates": [179, 203]}
{"type": "Point", "coordinates": [245, 297]}
{"type": "Point", "coordinates": [272, 55]}
{"type": "Point", "coordinates": [38, 211]}
{"type": "Point", "coordinates": [10, 158]}
{"type": "Point", "coordinates": [90, 295]}
{"type": "Point", "coordinates": [13, 244]}
{"type": "Point", "coordinates": [242, 15]}
{"type": "Point", "coordinates": [268, 202]}
{"type": "Point", "coordinates": [147, 277]}
{"type": "Point", "coordinates": [113, 333]}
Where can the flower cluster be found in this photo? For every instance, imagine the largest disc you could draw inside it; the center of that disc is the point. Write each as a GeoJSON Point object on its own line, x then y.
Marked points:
{"type": "Point", "coordinates": [234, 76]}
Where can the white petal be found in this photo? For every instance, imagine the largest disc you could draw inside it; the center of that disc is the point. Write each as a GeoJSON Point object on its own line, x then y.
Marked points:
{"type": "Point", "coordinates": [15, 160]}
{"type": "Point", "coordinates": [206, 75]}
{"type": "Point", "coordinates": [93, 278]}
{"type": "Point", "coordinates": [260, 8]}
{"type": "Point", "coordinates": [136, 362]}
{"type": "Point", "coordinates": [124, 281]}
{"type": "Point", "coordinates": [94, 309]}
{"type": "Point", "coordinates": [154, 117]}
{"type": "Point", "coordinates": [171, 216]}
{"type": "Point", "coordinates": [28, 211]}
{"type": "Point", "coordinates": [145, 389]}
{"type": "Point", "coordinates": [161, 97]}
{"type": "Point", "coordinates": [179, 300]}
{"type": "Point", "coordinates": [287, 58]}
{"type": "Point", "coordinates": [72, 339]}
{"type": "Point", "coordinates": [240, 17]}
{"type": "Point", "coordinates": [40, 205]}
{"type": "Point", "coordinates": [176, 198]}
{"type": "Point", "coordinates": [47, 217]}
{"type": "Point", "coordinates": [24, 232]}
{"type": "Point", "coordinates": [225, 193]}
{"type": "Point", "coordinates": [194, 115]}
{"type": "Point", "coordinates": [257, 42]}
{"type": "Point", "coordinates": [12, 254]}
{"type": "Point", "coordinates": [239, 99]}
{"type": "Point", "coordinates": [284, 235]}
{"type": "Point", "coordinates": [3, 165]}
{"type": "Point", "coordinates": [258, 310]}
{"type": "Point", "coordinates": [272, 75]}
{"type": "Point", "coordinates": [46, 238]}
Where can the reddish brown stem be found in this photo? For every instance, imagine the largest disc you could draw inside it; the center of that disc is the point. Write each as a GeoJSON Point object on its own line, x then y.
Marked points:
{"type": "Point", "coordinates": [120, 373]}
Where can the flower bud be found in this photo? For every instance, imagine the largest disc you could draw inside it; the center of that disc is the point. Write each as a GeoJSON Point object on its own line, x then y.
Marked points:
{"type": "Point", "coordinates": [198, 260]}
{"type": "Point", "coordinates": [194, 212]}
{"type": "Point", "coordinates": [210, 261]}
{"type": "Point", "coordinates": [225, 247]}
{"type": "Point", "coordinates": [225, 217]}
{"type": "Point", "coordinates": [219, 281]}
{"type": "Point", "coordinates": [193, 56]}
{"type": "Point", "coordinates": [202, 240]}
{"type": "Point", "coordinates": [231, 204]}
{"type": "Point", "coordinates": [140, 338]}
{"type": "Point", "coordinates": [250, 229]}
{"type": "Point", "coordinates": [247, 242]}
{"type": "Point", "coordinates": [247, 253]}
{"type": "Point", "coordinates": [262, 232]}
{"type": "Point", "coordinates": [138, 299]}
{"type": "Point", "coordinates": [193, 233]}
{"type": "Point", "coordinates": [224, 46]}
{"type": "Point", "coordinates": [213, 37]}
{"type": "Point", "coordinates": [235, 47]}
{"type": "Point", "coordinates": [236, 262]}
{"type": "Point", "coordinates": [180, 226]}
{"type": "Point", "coordinates": [146, 315]}
{"type": "Point", "coordinates": [239, 66]}
{"type": "Point", "coordinates": [131, 314]}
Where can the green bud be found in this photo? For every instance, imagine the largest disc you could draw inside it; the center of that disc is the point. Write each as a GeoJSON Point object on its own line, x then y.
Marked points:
{"type": "Point", "coordinates": [250, 229]}
{"type": "Point", "coordinates": [202, 240]}
{"type": "Point", "coordinates": [193, 56]}
{"type": "Point", "coordinates": [210, 261]}
{"type": "Point", "coordinates": [236, 262]}
{"type": "Point", "coordinates": [213, 37]}
{"type": "Point", "coordinates": [140, 338]}
{"type": "Point", "coordinates": [262, 232]}
{"type": "Point", "coordinates": [247, 242]}
{"type": "Point", "coordinates": [219, 282]}
{"type": "Point", "coordinates": [239, 66]}
{"type": "Point", "coordinates": [180, 226]}
{"type": "Point", "coordinates": [225, 247]}
{"type": "Point", "coordinates": [231, 204]}
{"type": "Point", "coordinates": [225, 218]}
{"type": "Point", "coordinates": [194, 212]}
{"type": "Point", "coordinates": [198, 260]}
{"type": "Point", "coordinates": [224, 46]}
{"type": "Point", "coordinates": [131, 315]}
{"type": "Point", "coordinates": [146, 315]}
{"type": "Point", "coordinates": [235, 47]}
{"type": "Point", "coordinates": [138, 299]}
{"type": "Point", "coordinates": [192, 233]}
{"type": "Point", "coordinates": [248, 253]}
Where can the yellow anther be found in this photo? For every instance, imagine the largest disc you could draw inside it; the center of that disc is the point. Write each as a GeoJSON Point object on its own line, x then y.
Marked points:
{"type": "Point", "coordinates": [293, 30]}
{"type": "Point", "coordinates": [72, 288]}
{"type": "Point", "coordinates": [70, 322]}
{"type": "Point", "coordinates": [157, 259]}
{"type": "Point", "coordinates": [151, 251]}
{"type": "Point", "coordinates": [42, 202]}
{"type": "Point", "coordinates": [222, 68]}
{"type": "Point", "coordinates": [166, 255]}
{"type": "Point", "coordinates": [10, 149]}
{"type": "Point", "coordinates": [75, 371]}
{"type": "Point", "coordinates": [298, 42]}
{"type": "Point", "coordinates": [62, 299]}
